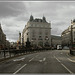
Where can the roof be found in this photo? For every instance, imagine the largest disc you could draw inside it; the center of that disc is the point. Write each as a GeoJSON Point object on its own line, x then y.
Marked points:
{"type": "Point", "coordinates": [55, 37]}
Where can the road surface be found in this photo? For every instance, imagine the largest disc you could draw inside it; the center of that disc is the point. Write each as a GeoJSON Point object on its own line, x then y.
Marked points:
{"type": "Point", "coordinates": [46, 62]}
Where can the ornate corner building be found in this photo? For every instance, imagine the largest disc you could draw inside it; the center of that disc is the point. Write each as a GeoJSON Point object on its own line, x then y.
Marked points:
{"type": "Point", "coordinates": [68, 35]}
{"type": "Point", "coordinates": [38, 31]}
{"type": "Point", "coordinates": [2, 39]}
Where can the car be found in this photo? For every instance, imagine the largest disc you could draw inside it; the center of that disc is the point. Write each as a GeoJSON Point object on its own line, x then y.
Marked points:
{"type": "Point", "coordinates": [66, 48]}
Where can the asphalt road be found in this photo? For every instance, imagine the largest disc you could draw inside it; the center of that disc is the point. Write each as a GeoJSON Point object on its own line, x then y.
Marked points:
{"type": "Point", "coordinates": [46, 62]}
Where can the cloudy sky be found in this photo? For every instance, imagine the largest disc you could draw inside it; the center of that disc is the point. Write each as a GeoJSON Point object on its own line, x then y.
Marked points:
{"type": "Point", "coordinates": [14, 15]}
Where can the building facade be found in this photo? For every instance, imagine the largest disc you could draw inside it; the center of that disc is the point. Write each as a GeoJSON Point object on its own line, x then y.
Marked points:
{"type": "Point", "coordinates": [2, 39]}
{"type": "Point", "coordinates": [68, 35]}
{"type": "Point", "coordinates": [7, 44]}
{"type": "Point", "coordinates": [37, 31]}
{"type": "Point", "coordinates": [55, 40]}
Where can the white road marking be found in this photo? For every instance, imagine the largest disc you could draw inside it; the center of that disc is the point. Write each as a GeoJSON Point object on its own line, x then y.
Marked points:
{"type": "Point", "coordinates": [57, 59]}
{"type": "Point", "coordinates": [19, 59]}
{"type": "Point", "coordinates": [40, 60]}
{"type": "Point", "coordinates": [64, 66]}
{"type": "Point", "coordinates": [67, 69]}
{"type": "Point", "coordinates": [70, 60]}
{"type": "Point", "coordinates": [44, 59]}
{"type": "Point", "coordinates": [31, 59]}
{"type": "Point", "coordinates": [20, 69]}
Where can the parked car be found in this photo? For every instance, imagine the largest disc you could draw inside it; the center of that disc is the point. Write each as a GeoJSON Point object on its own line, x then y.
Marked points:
{"type": "Point", "coordinates": [66, 48]}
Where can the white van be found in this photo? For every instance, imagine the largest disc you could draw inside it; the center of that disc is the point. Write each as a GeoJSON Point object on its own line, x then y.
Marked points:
{"type": "Point", "coordinates": [59, 47]}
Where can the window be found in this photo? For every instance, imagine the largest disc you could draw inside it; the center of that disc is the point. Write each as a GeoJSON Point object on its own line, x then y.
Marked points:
{"type": "Point", "coordinates": [32, 25]}
{"type": "Point", "coordinates": [33, 38]}
{"type": "Point", "coordinates": [40, 32]}
{"type": "Point", "coordinates": [40, 38]}
{"type": "Point", "coordinates": [46, 32]}
{"type": "Point", "coordinates": [46, 38]}
{"type": "Point", "coordinates": [33, 33]}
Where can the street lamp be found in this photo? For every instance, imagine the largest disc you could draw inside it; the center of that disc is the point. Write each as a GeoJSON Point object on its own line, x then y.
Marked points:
{"type": "Point", "coordinates": [71, 37]}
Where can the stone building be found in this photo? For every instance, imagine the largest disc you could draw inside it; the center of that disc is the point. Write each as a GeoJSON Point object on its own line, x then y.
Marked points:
{"type": "Point", "coordinates": [55, 40]}
{"type": "Point", "coordinates": [68, 35]}
{"type": "Point", "coordinates": [7, 44]}
{"type": "Point", "coordinates": [13, 45]}
{"type": "Point", "coordinates": [37, 31]}
{"type": "Point", "coordinates": [2, 39]}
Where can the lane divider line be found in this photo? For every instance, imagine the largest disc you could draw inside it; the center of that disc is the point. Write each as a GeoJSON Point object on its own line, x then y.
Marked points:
{"type": "Point", "coordinates": [57, 59]}
{"type": "Point", "coordinates": [31, 59]}
{"type": "Point", "coordinates": [70, 60]}
{"type": "Point", "coordinates": [44, 59]}
{"type": "Point", "coordinates": [67, 69]}
{"type": "Point", "coordinates": [20, 69]}
{"type": "Point", "coordinates": [64, 66]}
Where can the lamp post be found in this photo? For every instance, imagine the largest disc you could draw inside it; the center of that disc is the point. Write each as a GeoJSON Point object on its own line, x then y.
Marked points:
{"type": "Point", "coordinates": [72, 51]}
{"type": "Point", "coordinates": [71, 37]}
{"type": "Point", "coordinates": [71, 41]}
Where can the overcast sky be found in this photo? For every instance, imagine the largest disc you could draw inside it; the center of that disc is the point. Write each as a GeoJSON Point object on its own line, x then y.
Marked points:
{"type": "Point", "coordinates": [14, 16]}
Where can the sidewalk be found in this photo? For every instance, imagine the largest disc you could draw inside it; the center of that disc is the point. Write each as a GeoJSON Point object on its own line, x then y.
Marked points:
{"type": "Point", "coordinates": [71, 57]}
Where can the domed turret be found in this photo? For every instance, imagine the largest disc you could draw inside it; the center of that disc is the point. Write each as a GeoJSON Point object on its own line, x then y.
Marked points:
{"type": "Point", "coordinates": [44, 19]}
{"type": "Point", "coordinates": [31, 18]}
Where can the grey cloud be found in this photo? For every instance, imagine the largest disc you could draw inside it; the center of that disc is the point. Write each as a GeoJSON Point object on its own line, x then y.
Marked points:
{"type": "Point", "coordinates": [11, 33]}
{"type": "Point", "coordinates": [59, 26]}
{"type": "Point", "coordinates": [18, 13]}
{"type": "Point", "coordinates": [56, 31]}
{"type": "Point", "coordinates": [59, 23]}
{"type": "Point", "coordinates": [22, 17]}
{"type": "Point", "coordinates": [11, 9]}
